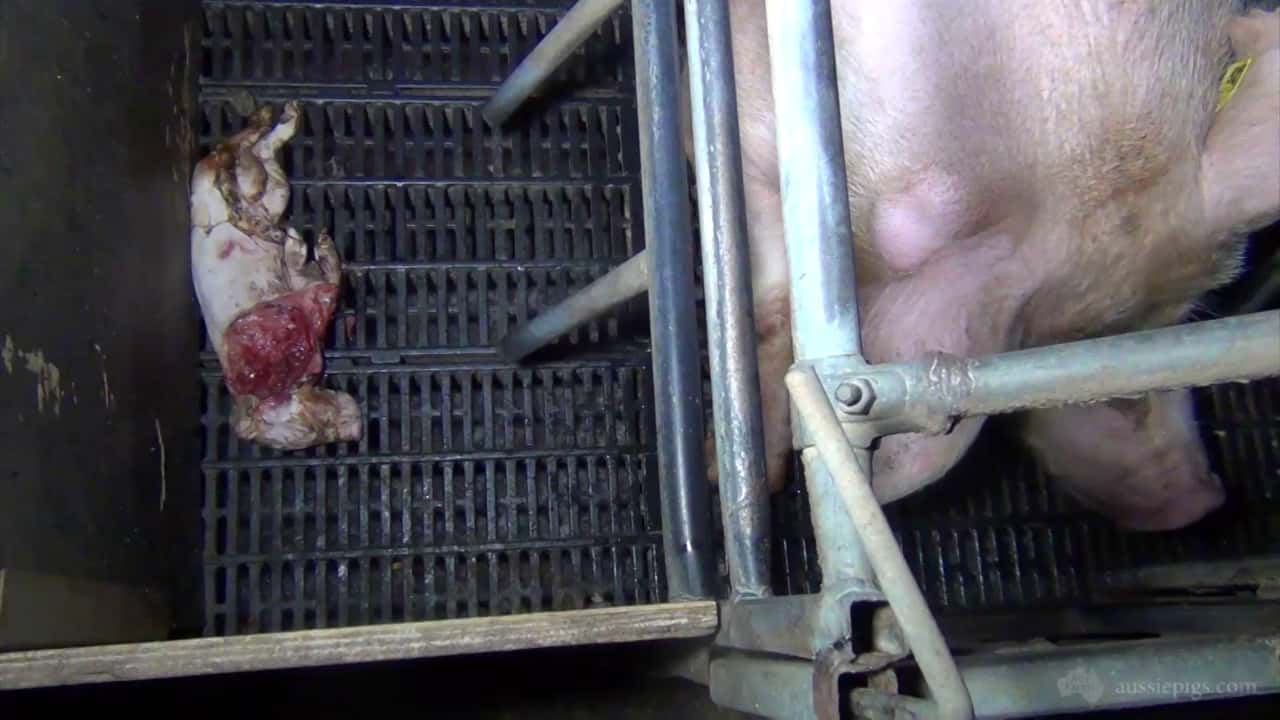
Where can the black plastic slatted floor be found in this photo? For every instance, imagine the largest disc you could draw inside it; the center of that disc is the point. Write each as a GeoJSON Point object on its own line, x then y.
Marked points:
{"type": "Point", "coordinates": [478, 487]}
{"type": "Point", "coordinates": [484, 488]}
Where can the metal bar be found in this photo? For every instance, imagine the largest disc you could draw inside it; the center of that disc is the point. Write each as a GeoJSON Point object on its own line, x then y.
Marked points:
{"type": "Point", "coordinates": [852, 483]}
{"type": "Point", "coordinates": [815, 194]}
{"type": "Point", "coordinates": [1259, 574]}
{"type": "Point", "coordinates": [926, 393]}
{"type": "Point", "coordinates": [763, 686]}
{"type": "Point", "coordinates": [726, 282]}
{"type": "Point", "coordinates": [844, 562]}
{"type": "Point", "coordinates": [1034, 681]}
{"type": "Point", "coordinates": [1108, 676]}
{"type": "Point", "coordinates": [819, 240]}
{"type": "Point", "coordinates": [783, 688]}
{"type": "Point", "coordinates": [677, 381]}
{"type": "Point", "coordinates": [567, 35]}
{"type": "Point", "coordinates": [627, 281]}
{"type": "Point", "coordinates": [801, 626]}
{"type": "Point", "coordinates": [1112, 616]}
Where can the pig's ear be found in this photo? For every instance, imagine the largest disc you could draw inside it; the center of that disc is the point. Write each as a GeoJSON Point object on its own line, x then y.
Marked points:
{"type": "Point", "coordinates": [1240, 175]}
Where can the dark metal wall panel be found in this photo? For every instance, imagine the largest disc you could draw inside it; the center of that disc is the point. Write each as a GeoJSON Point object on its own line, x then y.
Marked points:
{"type": "Point", "coordinates": [98, 432]}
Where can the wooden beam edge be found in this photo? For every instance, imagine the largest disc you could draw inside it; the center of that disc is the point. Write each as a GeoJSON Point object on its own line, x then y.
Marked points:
{"type": "Point", "coordinates": [369, 643]}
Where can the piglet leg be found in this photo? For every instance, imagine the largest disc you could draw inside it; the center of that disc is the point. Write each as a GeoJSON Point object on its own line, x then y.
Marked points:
{"type": "Point", "coordinates": [305, 417]}
{"type": "Point", "coordinates": [327, 260]}
{"type": "Point", "coordinates": [275, 197]}
{"type": "Point", "coordinates": [327, 267]}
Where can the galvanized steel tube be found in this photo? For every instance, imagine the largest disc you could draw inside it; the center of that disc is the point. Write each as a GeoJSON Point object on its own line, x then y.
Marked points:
{"type": "Point", "coordinates": [819, 239]}
{"type": "Point", "coordinates": [726, 282]}
{"type": "Point", "coordinates": [677, 377]}
{"type": "Point", "coordinates": [853, 486]}
{"type": "Point", "coordinates": [1038, 682]}
{"type": "Point", "coordinates": [1193, 354]}
{"type": "Point", "coordinates": [815, 194]}
{"type": "Point", "coordinates": [627, 281]}
{"type": "Point", "coordinates": [566, 36]}
{"type": "Point", "coordinates": [927, 392]}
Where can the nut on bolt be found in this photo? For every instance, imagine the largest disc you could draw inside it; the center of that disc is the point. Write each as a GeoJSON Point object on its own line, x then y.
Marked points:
{"type": "Point", "coordinates": [855, 396]}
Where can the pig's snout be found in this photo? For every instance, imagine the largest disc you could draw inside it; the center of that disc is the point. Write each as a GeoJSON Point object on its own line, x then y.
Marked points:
{"type": "Point", "coordinates": [1140, 463]}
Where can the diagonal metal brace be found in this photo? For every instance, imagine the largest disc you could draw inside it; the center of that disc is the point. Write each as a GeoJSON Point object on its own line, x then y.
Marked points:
{"type": "Point", "coordinates": [894, 577]}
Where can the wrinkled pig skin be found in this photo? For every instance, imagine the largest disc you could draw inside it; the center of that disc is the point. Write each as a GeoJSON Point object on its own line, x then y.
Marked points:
{"type": "Point", "coordinates": [1020, 174]}
{"type": "Point", "coordinates": [265, 306]}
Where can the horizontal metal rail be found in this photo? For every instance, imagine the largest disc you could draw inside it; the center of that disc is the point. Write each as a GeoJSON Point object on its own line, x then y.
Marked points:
{"type": "Point", "coordinates": [1029, 682]}
{"type": "Point", "coordinates": [927, 394]}
{"type": "Point", "coordinates": [1106, 676]}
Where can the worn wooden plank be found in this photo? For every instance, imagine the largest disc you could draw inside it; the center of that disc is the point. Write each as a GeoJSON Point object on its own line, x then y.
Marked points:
{"type": "Point", "coordinates": [307, 648]}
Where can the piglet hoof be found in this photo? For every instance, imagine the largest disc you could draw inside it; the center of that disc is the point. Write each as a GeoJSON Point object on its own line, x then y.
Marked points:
{"type": "Point", "coordinates": [290, 112]}
{"type": "Point", "coordinates": [327, 258]}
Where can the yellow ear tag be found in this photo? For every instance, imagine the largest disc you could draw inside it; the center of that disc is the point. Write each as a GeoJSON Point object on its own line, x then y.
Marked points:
{"type": "Point", "coordinates": [1231, 81]}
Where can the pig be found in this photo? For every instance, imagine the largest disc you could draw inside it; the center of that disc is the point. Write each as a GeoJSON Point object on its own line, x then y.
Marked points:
{"type": "Point", "coordinates": [266, 307]}
{"type": "Point", "coordinates": [1023, 174]}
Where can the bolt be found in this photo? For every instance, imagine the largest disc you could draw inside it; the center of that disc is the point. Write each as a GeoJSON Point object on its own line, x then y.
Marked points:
{"type": "Point", "coordinates": [848, 394]}
{"type": "Point", "coordinates": [856, 396]}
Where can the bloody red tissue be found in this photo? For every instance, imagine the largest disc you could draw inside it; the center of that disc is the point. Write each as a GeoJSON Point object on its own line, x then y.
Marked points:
{"type": "Point", "coordinates": [274, 347]}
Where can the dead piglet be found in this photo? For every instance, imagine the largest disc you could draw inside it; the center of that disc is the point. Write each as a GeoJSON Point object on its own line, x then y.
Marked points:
{"type": "Point", "coordinates": [265, 306]}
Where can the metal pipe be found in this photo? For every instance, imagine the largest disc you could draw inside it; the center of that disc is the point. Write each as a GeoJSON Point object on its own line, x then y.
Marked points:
{"type": "Point", "coordinates": [852, 482]}
{"type": "Point", "coordinates": [726, 282]}
{"type": "Point", "coordinates": [815, 194]}
{"type": "Point", "coordinates": [567, 35]}
{"type": "Point", "coordinates": [627, 281]}
{"type": "Point", "coordinates": [1040, 681]}
{"type": "Point", "coordinates": [764, 686]}
{"type": "Point", "coordinates": [819, 240]}
{"type": "Point", "coordinates": [926, 393]}
{"type": "Point", "coordinates": [677, 377]}
{"type": "Point", "coordinates": [841, 551]}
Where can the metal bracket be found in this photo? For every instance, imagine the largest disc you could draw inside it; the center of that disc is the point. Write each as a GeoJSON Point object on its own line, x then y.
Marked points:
{"type": "Point", "coordinates": [852, 481]}
{"type": "Point", "coordinates": [792, 689]}
{"type": "Point", "coordinates": [870, 401]}
{"type": "Point", "coordinates": [801, 626]}
{"type": "Point", "coordinates": [834, 664]}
